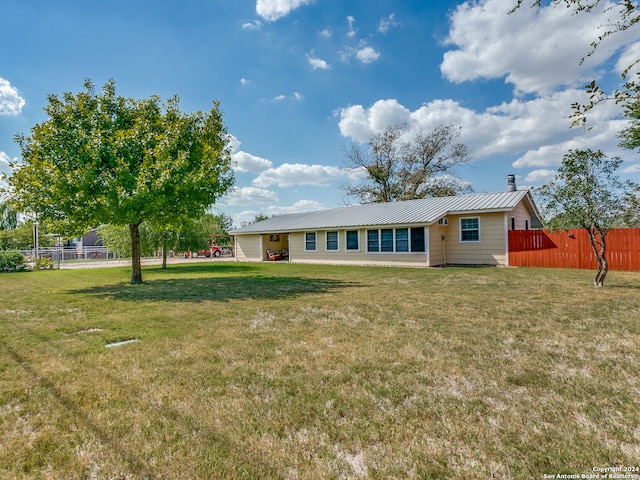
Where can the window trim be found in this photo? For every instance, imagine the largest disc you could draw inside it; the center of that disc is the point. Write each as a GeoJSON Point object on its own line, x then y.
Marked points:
{"type": "Point", "coordinates": [315, 241]}
{"type": "Point", "coordinates": [326, 241]}
{"type": "Point", "coordinates": [462, 240]}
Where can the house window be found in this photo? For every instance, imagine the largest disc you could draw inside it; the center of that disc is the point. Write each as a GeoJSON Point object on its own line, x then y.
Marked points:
{"type": "Point", "coordinates": [470, 229]}
{"type": "Point", "coordinates": [402, 240]}
{"type": "Point", "coordinates": [310, 242]}
{"type": "Point", "coordinates": [373, 242]}
{"type": "Point", "coordinates": [386, 240]}
{"type": "Point", "coordinates": [513, 223]}
{"type": "Point", "coordinates": [352, 240]}
{"type": "Point", "coordinates": [417, 239]}
{"type": "Point", "coordinates": [526, 224]}
{"type": "Point", "coordinates": [332, 241]}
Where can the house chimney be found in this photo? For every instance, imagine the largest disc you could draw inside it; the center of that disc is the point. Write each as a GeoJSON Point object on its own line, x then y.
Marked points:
{"type": "Point", "coordinates": [511, 183]}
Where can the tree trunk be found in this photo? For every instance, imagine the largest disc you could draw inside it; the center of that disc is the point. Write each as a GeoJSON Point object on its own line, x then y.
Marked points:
{"type": "Point", "coordinates": [603, 268]}
{"type": "Point", "coordinates": [136, 268]}
{"type": "Point", "coordinates": [599, 247]}
{"type": "Point", "coordinates": [164, 255]}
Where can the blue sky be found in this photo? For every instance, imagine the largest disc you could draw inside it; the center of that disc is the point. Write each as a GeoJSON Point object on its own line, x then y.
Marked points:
{"type": "Point", "coordinates": [300, 80]}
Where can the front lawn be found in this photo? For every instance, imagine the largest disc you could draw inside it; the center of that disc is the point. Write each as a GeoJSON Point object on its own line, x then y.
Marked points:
{"type": "Point", "coordinates": [227, 370]}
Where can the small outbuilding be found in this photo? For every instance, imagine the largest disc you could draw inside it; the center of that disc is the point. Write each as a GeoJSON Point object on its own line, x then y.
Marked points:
{"type": "Point", "coordinates": [459, 230]}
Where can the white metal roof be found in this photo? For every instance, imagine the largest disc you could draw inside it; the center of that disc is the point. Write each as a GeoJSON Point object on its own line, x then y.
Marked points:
{"type": "Point", "coordinates": [425, 212]}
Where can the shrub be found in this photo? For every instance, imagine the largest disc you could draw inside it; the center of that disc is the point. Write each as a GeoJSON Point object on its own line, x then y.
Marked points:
{"type": "Point", "coordinates": [11, 261]}
{"type": "Point", "coordinates": [43, 263]}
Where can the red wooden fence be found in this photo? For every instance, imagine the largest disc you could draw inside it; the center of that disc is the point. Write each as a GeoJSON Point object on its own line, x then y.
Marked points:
{"type": "Point", "coordinates": [571, 249]}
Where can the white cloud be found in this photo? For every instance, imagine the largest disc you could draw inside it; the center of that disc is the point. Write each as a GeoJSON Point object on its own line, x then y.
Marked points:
{"type": "Point", "coordinates": [632, 168]}
{"type": "Point", "coordinates": [362, 53]}
{"type": "Point", "coordinates": [361, 124]}
{"type": "Point", "coordinates": [4, 168]}
{"type": "Point", "coordinates": [297, 96]}
{"type": "Point", "coordinates": [299, 206]}
{"type": "Point", "coordinates": [544, 48]}
{"type": "Point", "coordinates": [367, 55]}
{"type": "Point", "coordinates": [448, 179]}
{"type": "Point", "coordinates": [351, 21]}
{"type": "Point", "coordinates": [234, 143]}
{"type": "Point", "coordinates": [255, 25]}
{"type": "Point", "coordinates": [245, 162]}
{"type": "Point", "coordinates": [246, 196]}
{"type": "Point", "coordinates": [317, 63]}
{"type": "Point", "coordinates": [629, 58]}
{"type": "Point", "coordinates": [244, 81]}
{"type": "Point", "coordinates": [272, 10]}
{"type": "Point", "coordinates": [552, 150]}
{"type": "Point", "coordinates": [539, 176]}
{"type": "Point", "coordinates": [288, 174]}
{"type": "Point", "coordinates": [325, 32]}
{"type": "Point", "coordinates": [537, 129]}
{"type": "Point", "coordinates": [11, 102]}
{"type": "Point", "coordinates": [355, 174]}
{"type": "Point", "coordinates": [4, 163]}
{"type": "Point", "coordinates": [386, 23]}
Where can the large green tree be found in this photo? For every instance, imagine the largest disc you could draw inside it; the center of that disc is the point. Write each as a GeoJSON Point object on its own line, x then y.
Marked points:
{"type": "Point", "coordinates": [587, 193]}
{"type": "Point", "coordinates": [403, 166]}
{"type": "Point", "coordinates": [100, 159]}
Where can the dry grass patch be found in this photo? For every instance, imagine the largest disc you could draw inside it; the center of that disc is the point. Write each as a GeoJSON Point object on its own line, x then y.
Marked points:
{"type": "Point", "coordinates": [285, 371]}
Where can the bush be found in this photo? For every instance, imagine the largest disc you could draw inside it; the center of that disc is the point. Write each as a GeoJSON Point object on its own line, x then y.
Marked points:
{"type": "Point", "coordinates": [43, 263]}
{"type": "Point", "coordinates": [11, 262]}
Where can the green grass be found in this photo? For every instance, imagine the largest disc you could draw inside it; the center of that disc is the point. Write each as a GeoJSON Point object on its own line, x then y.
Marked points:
{"type": "Point", "coordinates": [298, 371]}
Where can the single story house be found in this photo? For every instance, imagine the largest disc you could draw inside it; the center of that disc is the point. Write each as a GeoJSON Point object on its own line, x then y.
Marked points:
{"type": "Point", "coordinates": [458, 230]}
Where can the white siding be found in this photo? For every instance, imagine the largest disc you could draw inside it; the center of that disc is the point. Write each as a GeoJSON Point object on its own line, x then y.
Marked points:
{"type": "Point", "coordinates": [297, 253]}
{"type": "Point", "coordinates": [437, 246]}
{"type": "Point", "coordinates": [521, 216]}
{"type": "Point", "coordinates": [490, 250]}
{"type": "Point", "coordinates": [248, 248]}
